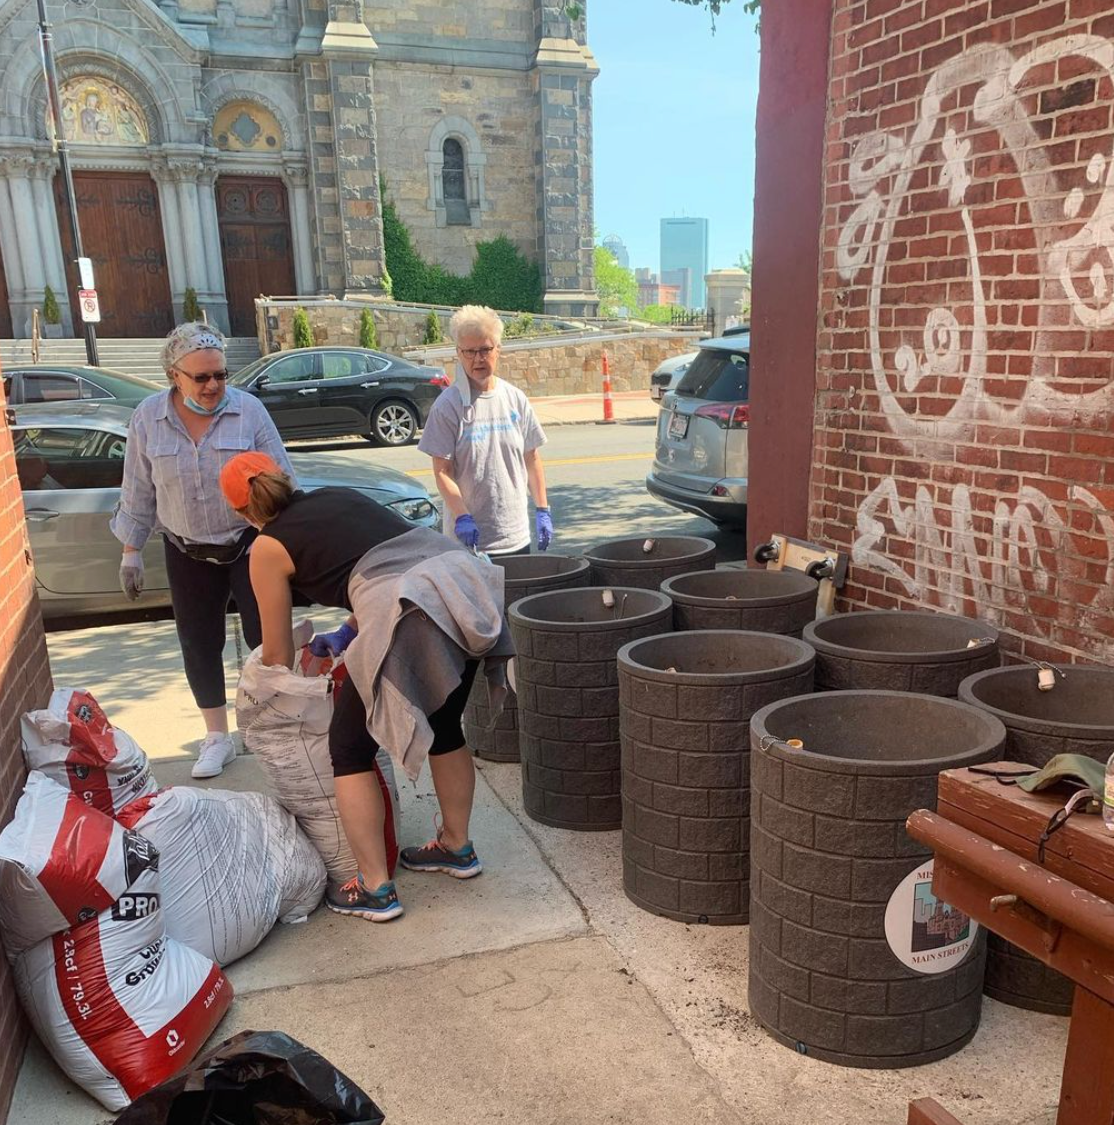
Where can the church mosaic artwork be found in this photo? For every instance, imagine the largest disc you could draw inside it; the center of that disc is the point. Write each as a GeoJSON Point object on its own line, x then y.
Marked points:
{"type": "Point", "coordinates": [95, 112]}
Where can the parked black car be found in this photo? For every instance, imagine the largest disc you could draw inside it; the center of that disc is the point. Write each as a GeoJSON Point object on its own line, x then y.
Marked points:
{"type": "Point", "coordinates": [329, 392]}
{"type": "Point", "coordinates": [52, 382]}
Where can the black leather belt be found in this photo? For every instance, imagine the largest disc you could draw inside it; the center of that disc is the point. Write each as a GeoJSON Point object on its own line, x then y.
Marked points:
{"type": "Point", "coordinates": [220, 553]}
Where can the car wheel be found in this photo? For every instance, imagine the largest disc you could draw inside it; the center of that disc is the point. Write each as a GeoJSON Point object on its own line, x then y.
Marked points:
{"type": "Point", "coordinates": [393, 423]}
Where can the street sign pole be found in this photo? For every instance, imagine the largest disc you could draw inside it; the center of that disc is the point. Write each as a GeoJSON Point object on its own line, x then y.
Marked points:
{"type": "Point", "coordinates": [51, 76]}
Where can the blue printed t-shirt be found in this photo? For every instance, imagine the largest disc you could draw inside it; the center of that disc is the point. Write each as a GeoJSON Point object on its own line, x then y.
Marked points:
{"type": "Point", "coordinates": [487, 439]}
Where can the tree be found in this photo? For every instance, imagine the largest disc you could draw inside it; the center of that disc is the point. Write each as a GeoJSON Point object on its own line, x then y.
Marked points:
{"type": "Point", "coordinates": [51, 312]}
{"type": "Point", "coordinates": [369, 338]}
{"type": "Point", "coordinates": [191, 310]}
{"type": "Point", "coordinates": [745, 261]}
{"type": "Point", "coordinates": [303, 334]}
{"type": "Point", "coordinates": [751, 7]}
{"type": "Point", "coordinates": [433, 333]}
{"type": "Point", "coordinates": [657, 314]}
{"type": "Point", "coordinates": [615, 285]}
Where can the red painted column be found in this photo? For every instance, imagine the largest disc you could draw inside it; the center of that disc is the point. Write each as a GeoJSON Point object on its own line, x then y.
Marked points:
{"type": "Point", "coordinates": [788, 199]}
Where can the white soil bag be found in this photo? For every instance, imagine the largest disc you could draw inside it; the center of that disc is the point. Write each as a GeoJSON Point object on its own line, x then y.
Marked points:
{"type": "Point", "coordinates": [119, 1005]}
{"type": "Point", "coordinates": [284, 717]}
{"type": "Point", "coordinates": [231, 865]}
{"type": "Point", "coordinates": [72, 741]}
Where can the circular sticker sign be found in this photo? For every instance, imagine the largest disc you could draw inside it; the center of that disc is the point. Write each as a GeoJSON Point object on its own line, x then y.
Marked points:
{"type": "Point", "coordinates": [925, 934]}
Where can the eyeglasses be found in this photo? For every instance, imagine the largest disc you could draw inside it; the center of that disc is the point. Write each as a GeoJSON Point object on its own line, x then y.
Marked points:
{"type": "Point", "coordinates": [477, 353]}
{"type": "Point", "coordinates": [202, 380]}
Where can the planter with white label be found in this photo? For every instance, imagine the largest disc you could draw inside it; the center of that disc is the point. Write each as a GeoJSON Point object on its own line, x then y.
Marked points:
{"type": "Point", "coordinates": [852, 959]}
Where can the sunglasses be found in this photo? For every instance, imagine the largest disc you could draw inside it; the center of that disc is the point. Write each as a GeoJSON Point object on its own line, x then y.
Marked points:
{"type": "Point", "coordinates": [476, 353]}
{"type": "Point", "coordinates": [203, 380]}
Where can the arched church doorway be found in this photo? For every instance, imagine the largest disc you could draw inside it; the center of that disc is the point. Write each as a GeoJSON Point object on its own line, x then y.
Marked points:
{"type": "Point", "coordinates": [121, 230]}
{"type": "Point", "coordinates": [256, 245]}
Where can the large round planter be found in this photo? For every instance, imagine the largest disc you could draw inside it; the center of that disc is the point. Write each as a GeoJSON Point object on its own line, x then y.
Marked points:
{"type": "Point", "coordinates": [568, 698]}
{"type": "Point", "coordinates": [685, 702]}
{"type": "Point", "coordinates": [625, 562]}
{"type": "Point", "coordinates": [764, 601]}
{"type": "Point", "coordinates": [900, 650]}
{"type": "Point", "coordinates": [1075, 717]}
{"type": "Point", "coordinates": [828, 853]}
{"type": "Point", "coordinates": [523, 575]}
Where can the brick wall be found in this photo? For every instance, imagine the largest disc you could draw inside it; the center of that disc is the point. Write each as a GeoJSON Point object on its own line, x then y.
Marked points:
{"type": "Point", "coordinates": [963, 451]}
{"type": "Point", "coordinates": [24, 684]}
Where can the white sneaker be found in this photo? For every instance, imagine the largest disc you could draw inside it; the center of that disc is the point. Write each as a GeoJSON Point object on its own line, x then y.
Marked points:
{"type": "Point", "coordinates": [217, 750]}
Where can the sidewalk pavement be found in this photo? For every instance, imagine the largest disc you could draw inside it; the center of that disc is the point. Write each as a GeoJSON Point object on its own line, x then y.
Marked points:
{"type": "Point", "coordinates": [536, 994]}
{"type": "Point", "coordinates": [566, 410]}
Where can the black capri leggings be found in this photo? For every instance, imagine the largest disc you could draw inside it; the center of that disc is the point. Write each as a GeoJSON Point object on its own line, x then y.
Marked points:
{"type": "Point", "coordinates": [199, 593]}
{"type": "Point", "coordinates": [351, 746]}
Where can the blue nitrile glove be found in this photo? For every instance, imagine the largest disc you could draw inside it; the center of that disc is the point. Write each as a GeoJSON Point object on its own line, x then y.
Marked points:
{"type": "Point", "coordinates": [332, 644]}
{"type": "Point", "coordinates": [544, 523]}
{"type": "Point", "coordinates": [466, 531]}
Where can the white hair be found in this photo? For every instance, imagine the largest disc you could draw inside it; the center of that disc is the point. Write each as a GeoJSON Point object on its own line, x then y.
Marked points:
{"type": "Point", "coordinates": [476, 320]}
{"type": "Point", "coordinates": [193, 336]}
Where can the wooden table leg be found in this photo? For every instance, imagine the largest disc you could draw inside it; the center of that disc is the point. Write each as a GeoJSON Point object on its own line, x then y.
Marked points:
{"type": "Point", "coordinates": [928, 1111]}
{"type": "Point", "coordinates": [1087, 1090]}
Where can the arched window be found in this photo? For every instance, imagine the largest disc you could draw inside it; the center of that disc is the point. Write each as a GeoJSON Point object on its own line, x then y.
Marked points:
{"type": "Point", "coordinates": [453, 184]}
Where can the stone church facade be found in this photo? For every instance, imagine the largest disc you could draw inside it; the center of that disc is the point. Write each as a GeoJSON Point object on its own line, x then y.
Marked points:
{"type": "Point", "coordinates": [237, 148]}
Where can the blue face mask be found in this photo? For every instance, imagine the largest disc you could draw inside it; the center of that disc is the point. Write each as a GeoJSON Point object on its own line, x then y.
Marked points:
{"type": "Point", "coordinates": [197, 408]}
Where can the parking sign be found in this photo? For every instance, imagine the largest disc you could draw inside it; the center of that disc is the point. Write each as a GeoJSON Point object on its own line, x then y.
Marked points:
{"type": "Point", "coordinates": [90, 306]}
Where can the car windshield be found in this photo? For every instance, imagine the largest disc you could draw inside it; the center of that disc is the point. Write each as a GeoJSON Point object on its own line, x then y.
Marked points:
{"type": "Point", "coordinates": [246, 374]}
{"type": "Point", "coordinates": [718, 376]}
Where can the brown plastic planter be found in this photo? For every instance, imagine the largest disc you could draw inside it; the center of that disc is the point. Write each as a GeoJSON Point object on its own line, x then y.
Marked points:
{"type": "Point", "coordinates": [523, 575]}
{"type": "Point", "coordinates": [899, 650]}
{"type": "Point", "coordinates": [685, 702]}
{"type": "Point", "coordinates": [568, 699]}
{"type": "Point", "coordinates": [764, 601]}
{"type": "Point", "coordinates": [623, 562]}
{"type": "Point", "coordinates": [828, 849]}
{"type": "Point", "coordinates": [1075, 717]}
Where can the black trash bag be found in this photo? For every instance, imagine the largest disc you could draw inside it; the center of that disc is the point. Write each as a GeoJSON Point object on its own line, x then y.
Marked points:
{"type": "Point", "coordinates": [256, 1078]}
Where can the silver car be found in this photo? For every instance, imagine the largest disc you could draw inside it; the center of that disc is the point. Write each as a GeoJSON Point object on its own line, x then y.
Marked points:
{"type": "Point", "coordinates": [70, 459]}
{"type": "Point", "coordinates": [700, 461]}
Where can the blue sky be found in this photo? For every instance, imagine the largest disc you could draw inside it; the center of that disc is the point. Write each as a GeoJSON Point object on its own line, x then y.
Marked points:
{"type": "Point", "coordinates": [673, 115]}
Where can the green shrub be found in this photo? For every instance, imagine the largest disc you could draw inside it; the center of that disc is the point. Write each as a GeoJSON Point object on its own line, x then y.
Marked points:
{"type": "Point", "coordinates": [303, 334]}
{"type": "Point", "coordinates": [369, 338]}
{"type": "Point", "coordinates": [500, 277]}
{"type": "Point", "coordinates": [191, 310]}
{"type": "Point", "coordinates": [522, 325]}
{"type": "Point", "coordinates": [52, 314]}
{"type": "Point", "coordinates": [433, 333]}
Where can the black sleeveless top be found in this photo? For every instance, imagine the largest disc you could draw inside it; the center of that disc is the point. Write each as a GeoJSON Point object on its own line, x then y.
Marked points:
{"type": "Point", "coordinates": [326, 532]}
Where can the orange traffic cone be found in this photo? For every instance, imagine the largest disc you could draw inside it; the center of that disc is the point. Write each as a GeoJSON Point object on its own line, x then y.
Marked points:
{"type": "Point", "coordinates": [608, 407]}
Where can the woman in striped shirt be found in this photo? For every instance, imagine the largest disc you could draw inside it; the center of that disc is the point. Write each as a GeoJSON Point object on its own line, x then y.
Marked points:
{"type": "Point", "coordinates": [178, 442]}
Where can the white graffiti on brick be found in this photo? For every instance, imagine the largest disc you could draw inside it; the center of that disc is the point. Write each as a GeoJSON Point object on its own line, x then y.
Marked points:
{"type": "Point", "coordinates": [1026, 554]}
{"type": "Point", "coordinates": [865, 242]}
{"type": "Point", "coordinates": [952, 560]}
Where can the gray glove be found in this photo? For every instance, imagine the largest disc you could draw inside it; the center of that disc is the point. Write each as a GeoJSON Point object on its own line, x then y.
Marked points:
{"type": "Point", "coordinates": [131, 575]}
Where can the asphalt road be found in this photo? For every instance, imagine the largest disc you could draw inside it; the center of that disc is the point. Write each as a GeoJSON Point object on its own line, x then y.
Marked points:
{"type": "Point", "coordinates": [595, 476]}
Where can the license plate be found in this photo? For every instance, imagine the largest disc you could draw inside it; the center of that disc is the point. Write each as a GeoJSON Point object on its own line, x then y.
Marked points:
{"type": "Point", "coordinates": [678, 425]}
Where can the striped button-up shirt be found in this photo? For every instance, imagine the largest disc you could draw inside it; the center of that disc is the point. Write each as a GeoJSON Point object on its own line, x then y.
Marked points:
{"type": "Point", "coordinates": [171, 484]}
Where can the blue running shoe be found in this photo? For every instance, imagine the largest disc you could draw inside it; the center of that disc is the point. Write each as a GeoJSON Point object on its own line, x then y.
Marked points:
{"type": "Point", "coordinates": [380, 905]}
{"type": "Point", "coordinates": [435, 856]}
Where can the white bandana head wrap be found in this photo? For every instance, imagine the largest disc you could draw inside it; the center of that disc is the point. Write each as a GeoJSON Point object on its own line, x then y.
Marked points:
{"type": "Point", "coordinates": [190, 337]}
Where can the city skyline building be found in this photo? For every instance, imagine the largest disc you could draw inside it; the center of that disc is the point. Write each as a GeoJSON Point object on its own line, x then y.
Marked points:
{"type": "Point", "coordinates": [618, 250]}
{"type": "Point", "coordinates": [684, 257]}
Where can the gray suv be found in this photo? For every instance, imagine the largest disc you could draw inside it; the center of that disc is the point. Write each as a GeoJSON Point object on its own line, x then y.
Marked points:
{"type": "Point", "coordinates": [700, 461]}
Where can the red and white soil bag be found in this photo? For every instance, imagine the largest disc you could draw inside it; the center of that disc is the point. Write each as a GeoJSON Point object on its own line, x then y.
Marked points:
{"type": "Point", "coordinates": [72, 741]}
{"type": "Point", "coordinates": [284, 717]}
{"type": "Point", "coordinates": [119, 1005]}
{"type": "Point", "coordinates": [231, 865]}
